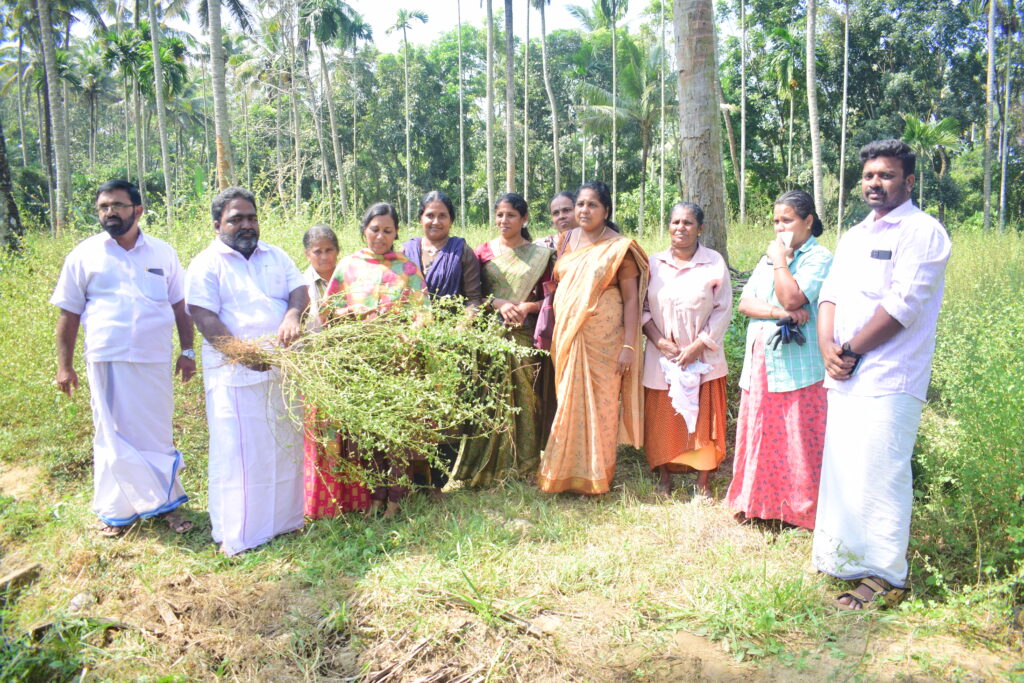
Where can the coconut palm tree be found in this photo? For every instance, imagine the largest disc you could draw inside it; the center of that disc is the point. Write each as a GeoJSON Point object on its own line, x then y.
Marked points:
{"type": "Point", "coordinates": [489, 125]}
{"type": "Point", "coordinates": [58, 117]}
{"type": "Point", "coordinates": [218, 60]}
{"type": "Point", "coordinates": [510, 144]}
{"type": "Point", "coordinates": [403, 22]}
{"type": "Point", "coordinates": [842, 125]}
{"type": "Point", "coordinates": [928, 139]}
{"type": "Point", "coordinates": [161, 110]}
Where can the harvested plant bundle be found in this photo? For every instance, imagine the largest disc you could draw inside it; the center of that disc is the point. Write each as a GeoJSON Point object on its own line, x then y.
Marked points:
{"type": "Point", "coordinates": [395, 386]}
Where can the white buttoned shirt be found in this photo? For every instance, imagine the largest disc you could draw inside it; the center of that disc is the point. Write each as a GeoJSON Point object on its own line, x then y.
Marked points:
{"type": "Point", "coordinates": [897, 262]}
{"type": "Point", "coordinates": [123, 296]}
{"type": "Point", "coordinates": [250, 295]}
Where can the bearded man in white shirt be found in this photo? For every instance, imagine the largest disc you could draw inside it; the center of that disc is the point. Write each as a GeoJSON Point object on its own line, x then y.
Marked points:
{"type": "Point", "coordinates": [877, 316]}
{"type": "Point", "coordinates": [125, 288]}
{"type": "Point", "coordinates": [242, 288]}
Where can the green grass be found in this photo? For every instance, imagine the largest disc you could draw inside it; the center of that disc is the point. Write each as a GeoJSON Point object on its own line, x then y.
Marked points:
{"type": "Point", "coordinates": [509, 582]}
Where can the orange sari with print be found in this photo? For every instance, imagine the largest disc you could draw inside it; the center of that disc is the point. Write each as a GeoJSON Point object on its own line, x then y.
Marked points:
{"type": "Point", "coordinates": [597, 407]}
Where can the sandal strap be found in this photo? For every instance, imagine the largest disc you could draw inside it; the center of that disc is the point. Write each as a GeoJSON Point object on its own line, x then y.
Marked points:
{"type": "Point", "coordinates": [853, 596]}
{"type": "Point", "coordinates": [877, 585]}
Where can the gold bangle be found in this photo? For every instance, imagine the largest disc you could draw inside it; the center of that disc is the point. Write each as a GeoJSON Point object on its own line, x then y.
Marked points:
{"type": "Point", "coordinates": [778, 267]}
{"type": "Point", "coordinates": [627, 346]}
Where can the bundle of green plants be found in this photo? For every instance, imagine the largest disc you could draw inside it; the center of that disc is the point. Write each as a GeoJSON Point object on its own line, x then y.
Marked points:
{"type": "Point", "coordinates": [396, 385]}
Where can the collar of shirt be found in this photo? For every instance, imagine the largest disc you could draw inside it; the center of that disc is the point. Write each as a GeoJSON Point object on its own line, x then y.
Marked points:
{"type": "Point", "coordinates": [892, 218]}
{"type": "Point", "coordinates": [227, 250]}
{"type": "Point", "coordinates": [139, 242]}
{"type": "Point", "coordinates": [701, 256]}
{"type": "Point", "coordinates": [803, 248]}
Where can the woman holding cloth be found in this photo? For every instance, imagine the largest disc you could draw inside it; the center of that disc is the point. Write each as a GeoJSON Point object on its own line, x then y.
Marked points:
{"type": "Point", "coordinates": [781, 428]}
{"type": "Point", "coordinates": [601, 283]}
{"type": "Point", "coordinates": [688, 309]}
{"type": "Point", "coordinates": [368, 283]}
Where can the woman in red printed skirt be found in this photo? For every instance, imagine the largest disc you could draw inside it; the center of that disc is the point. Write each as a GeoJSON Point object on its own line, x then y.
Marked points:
{"type": "Point", "coordinates": [781, 429]}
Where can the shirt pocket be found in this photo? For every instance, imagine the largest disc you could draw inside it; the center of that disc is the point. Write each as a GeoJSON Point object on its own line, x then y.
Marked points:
{"type": "Point", "coordinates": [153, 286]}
{"type": "Point", "coordinates": [273, 282]}
{"type": "Point", "coordinates": [876, 277]}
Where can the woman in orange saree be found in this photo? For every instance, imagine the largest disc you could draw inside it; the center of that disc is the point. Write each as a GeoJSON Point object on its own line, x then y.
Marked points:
{"type": "Point", "coordinates": [602, 279]}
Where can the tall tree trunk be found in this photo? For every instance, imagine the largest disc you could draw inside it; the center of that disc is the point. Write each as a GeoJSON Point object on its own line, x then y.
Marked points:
{"type": "Point", "coordinates": [551, 98]}
{"type": "Point", "coordinates": [615, 106]}
{"type": "Point", "coordinates": [703, 179]}
{"type": "Point", "coordinates": [990, 85]}
{"type": "Point", "coordinates": [526, 108]}
{"type": "Point", "coordinates": [278, 141]}
{"type": "Point", "coordinates": [60, 131]}
{"type": "Point", "coordinates": [126, 92]}
{"type": "Point", "coordinates": [221, 121]}
{"type": "Point", "coordinates": [1005, 143]}
{"type": "Point", "coordinates": [10, 220]}
{"type": "Point", "coordinates": [296, 132]}
{"type": "Point", "coordinates": [326, 183]}
{"type": "Point", "coordinates": [161, 112]}
{"type": "Point", "coordinates": [339, 163]}
{"type": "Point", "coordinates": [812, 107]}
{"type": "Point", "coordinates": [789, 155]}
{"type": "Point", "coordinates": [510, 143]}
{"type": "Point", "coordinates": [462, 125]}
{"type": "Point", "coordinates": [46, 152]}
{"type": "Point", "coordinates": [245, 130]}
{"type": "Point", "coordinates": [743, 113]}
{"type": "Point", "coordinates": [21, 101]}
{"type": "Point", "coordinates": [661, 146]}
{"type": "Point", "coordinates": [490, 113]}
{"type": "Point", "coordinates": [408, 136]}
{"type": "Point", "coordinates": [842, 126]}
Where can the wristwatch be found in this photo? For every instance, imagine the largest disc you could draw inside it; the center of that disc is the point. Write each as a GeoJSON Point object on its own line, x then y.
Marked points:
{"type": "Point", "coordinates": [189, 353]}
{"type": "Point", "coordinates": [850, 353]}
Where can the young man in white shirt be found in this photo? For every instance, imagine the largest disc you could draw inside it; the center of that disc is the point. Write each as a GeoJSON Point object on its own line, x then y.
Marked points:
{"type": "Point", "coordinates": [125, 289]}
{"type": "Point", "coordinates": [242, 288]}
{"type": "Point", "coordinates": [877, 316]}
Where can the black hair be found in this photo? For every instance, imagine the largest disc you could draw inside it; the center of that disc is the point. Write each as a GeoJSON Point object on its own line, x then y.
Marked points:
{"type": "Point", "coordinates": [378, 209]}
{"type": "Point", "coordinates": [803, 203]}
{"type": "Point", "coordinates": [118, 184]}
{"type": "Point", "coordinates": [517, 202]}
{"type": "Point", "coordinates": [604, 196]}
{"type": "Point", "coordinates": [225, 196]}
{"type": "Point", "coordinates": [568, 195]}
{"type": "Point", "coordinates": [890, 148]}
{"type": "Point", "coordinates": [320, 231]}
{"type": "Point", "coordinates": [437, 196]}
{"type": "Point", "coordinates": [695, 209]}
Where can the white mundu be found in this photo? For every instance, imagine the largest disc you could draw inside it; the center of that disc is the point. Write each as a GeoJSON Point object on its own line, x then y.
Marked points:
{"type": "Point", "coordinates": [124, 298]}
{"type": "Point", "coordinates": [256, 485]}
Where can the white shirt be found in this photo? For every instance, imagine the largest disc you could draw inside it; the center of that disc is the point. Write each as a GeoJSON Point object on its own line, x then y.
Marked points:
{"type": "Point", "coordinates": [123, 296]}
{"type": "Point", "coordinates": [897, 262]}
{"type": "Point", "coordinates": [249, 295]}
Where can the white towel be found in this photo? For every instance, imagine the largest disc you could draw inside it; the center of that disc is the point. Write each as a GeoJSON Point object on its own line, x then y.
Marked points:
{"type": "Point", "coordinates": [684, 388]}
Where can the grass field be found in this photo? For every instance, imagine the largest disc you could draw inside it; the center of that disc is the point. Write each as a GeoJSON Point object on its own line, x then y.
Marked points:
{"type": "Point", "coordinates": [507, 583]}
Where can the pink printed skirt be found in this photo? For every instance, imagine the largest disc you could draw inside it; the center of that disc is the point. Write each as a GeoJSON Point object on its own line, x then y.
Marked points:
{"type": "Point", "coordinates": [779, 442]}
{"type": "Point", "coordinates": [326, 493]}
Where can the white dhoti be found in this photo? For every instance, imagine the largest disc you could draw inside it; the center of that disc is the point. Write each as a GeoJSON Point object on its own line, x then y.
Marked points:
{"type": "Point", "coordinates": [135, 464]}
{"type": "Point", "coordinates": [863, 523]}
{"type": "Point", "coordinates": [256, 484]}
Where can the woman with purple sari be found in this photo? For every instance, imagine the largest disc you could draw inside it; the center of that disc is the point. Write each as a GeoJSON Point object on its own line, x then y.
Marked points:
{"type": "Point", "coordinates": [452, 271]}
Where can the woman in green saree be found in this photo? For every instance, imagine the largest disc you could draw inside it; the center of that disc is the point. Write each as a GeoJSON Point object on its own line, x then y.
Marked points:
{"type": "Point", "coordinates": [513, 271]}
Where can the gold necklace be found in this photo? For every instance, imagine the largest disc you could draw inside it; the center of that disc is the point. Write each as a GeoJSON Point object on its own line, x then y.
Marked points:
{"type": "Point", "coordinates": [590, 243]}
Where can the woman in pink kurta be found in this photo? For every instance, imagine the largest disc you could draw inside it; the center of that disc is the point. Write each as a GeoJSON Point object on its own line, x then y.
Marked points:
{"type": "Point", "coordinates": [686, 314]}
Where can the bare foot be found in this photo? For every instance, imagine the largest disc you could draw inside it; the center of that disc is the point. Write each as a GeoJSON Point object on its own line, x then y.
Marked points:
{"type": "Point", "coordinates": [391, 510]}
{"type": "Point", "coordinates": [111, 531]}
{"type": "Point", "coordinates": [176, 521]}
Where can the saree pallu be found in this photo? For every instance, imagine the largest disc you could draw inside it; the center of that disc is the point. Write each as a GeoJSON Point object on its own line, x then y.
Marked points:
{"type": "Point", "coordinates": [515, 275]}
{"type": "Point", "coordinates": [597, 408]}
{"type": "Point", "coordinates": [668, 442]}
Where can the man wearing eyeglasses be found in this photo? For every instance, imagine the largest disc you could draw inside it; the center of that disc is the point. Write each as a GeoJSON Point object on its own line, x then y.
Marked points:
{"type": "Point", "coordinates": [126, 289]}
{"type": "Point", "coordinates": [239, 287]}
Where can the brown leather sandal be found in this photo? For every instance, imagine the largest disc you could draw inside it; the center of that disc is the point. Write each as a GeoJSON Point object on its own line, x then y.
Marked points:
{"type": "Point", "coordinates": [883, 594]}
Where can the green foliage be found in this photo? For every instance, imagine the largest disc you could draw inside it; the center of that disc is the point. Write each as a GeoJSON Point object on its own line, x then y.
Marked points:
{"type": "Point", "coordinates": [969, 517]}
{"type": "Point", "coordinates": [57, 657]}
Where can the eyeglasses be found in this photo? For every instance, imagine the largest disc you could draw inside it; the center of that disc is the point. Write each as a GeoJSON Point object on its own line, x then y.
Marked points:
{"type": "Point", "coordinates": [116, 207]}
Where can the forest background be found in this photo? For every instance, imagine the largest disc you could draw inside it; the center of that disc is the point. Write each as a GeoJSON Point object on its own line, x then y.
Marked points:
{"type": "Point", "coordinates": [297, 101]}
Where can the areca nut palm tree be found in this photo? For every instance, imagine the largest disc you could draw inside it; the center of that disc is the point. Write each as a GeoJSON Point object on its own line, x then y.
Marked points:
{"type": "Point", "coordinates": [161, 111]}
{"type": "Point", "coordinates": [57, 116]}
{"type": "Point", "coordinates": [812, 107]}
{"type": "Point", "coordinates": [540, 4]}
{"type": "Point", "coordinates": [210, 13]}
{"type": "Point", "coordinates": [926, 139]}
{"type": "Point", "coordinates": [403, 22]}
{"type": "Point", "coordinates": [510, 143]}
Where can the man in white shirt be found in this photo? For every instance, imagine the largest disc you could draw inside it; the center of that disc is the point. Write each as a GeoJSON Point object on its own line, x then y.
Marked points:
{"type": "Point", "coordinates": [876, 331]}
{"type": "Point", "coordinates": [125, 288]}
{"type": "Point", "coordinates": [242, 288]}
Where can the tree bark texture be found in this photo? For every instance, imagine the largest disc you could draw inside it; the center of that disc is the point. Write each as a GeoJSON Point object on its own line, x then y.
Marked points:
{"type": "Point", "coordinates": [990, 86]}
{"type": "Point", "coordinates": [57, 115]}
{"type": "Point", "coordinates": [812, 108]}
{"type": "Point", "coordinates": [551, 97]}
{"type": "Point", "coordinates": [510, 143]}
{"type": "Point", "coordinates": [161, 112]}
{"type": "Point", "coordinates": [10, 220]}
{"type": "Point", "coordinates": [700, 144]}
{"type": "Point", "coordinates": [221, 121]}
